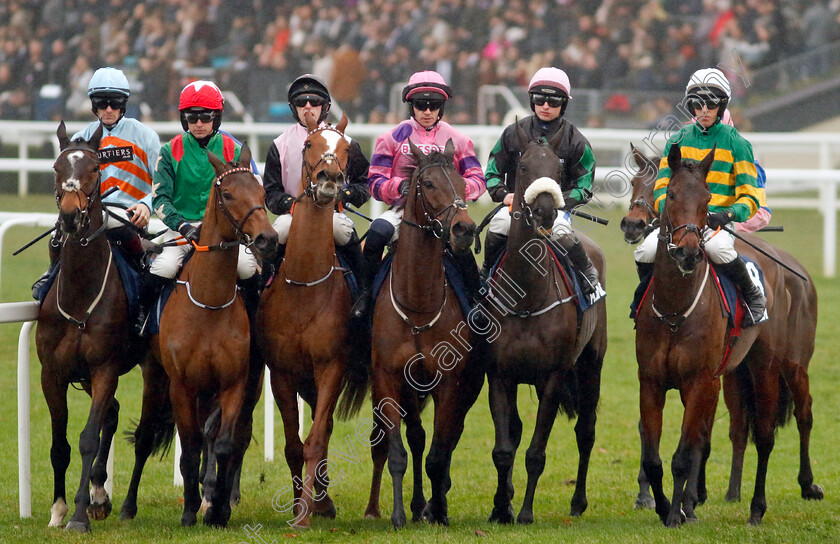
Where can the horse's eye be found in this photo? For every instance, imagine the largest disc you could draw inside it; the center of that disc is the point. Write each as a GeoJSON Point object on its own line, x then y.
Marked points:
{"type": "Point", "coordinates": [428, 184]}
{"type": "Point", "coordinates": [670, 195]}
{"type": "Point", "coordinates": [227, 196]}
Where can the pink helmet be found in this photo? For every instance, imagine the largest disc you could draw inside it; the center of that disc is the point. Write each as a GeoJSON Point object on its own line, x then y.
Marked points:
{"type": "Point", "coordinates": [550, 81]}
{"type": "Point", "coordinates": [427, 85]}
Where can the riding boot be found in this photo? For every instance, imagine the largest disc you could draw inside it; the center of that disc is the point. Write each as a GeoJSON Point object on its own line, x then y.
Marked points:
{"type": "Point", "coordinates": [468, 268]}
{"type": "Point", "coordinates": [150, 286]}
{"type": "Point", "coordinates": [494, 246]}
{"type": "Point", "coordinates": [753, 295]}
{"type": "Point", "coordinates": [377, 238]}
{"type": "Point", "coordinates": [55, 253]}
{"type": "Point", "coordinates": [586, 271]}
{"type": "Point", "coordinates": [129, 239]}
{"type": "Point", "coordinates": [352, 251]}
{"type": "Point", "coordinates": [249, 289]}
{"type": "Point", "coordinates": [269, 269]}
{"type": "Point", "coordinates": [645, 271]}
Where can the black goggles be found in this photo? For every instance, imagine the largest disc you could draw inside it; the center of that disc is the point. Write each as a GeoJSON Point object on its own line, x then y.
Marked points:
{"type": "Point", "coordinates": [695, 102]}
{"type": "Point", "coordinates": [194, 117]}
{"type": "Point", "coordinates": [314, 101]}
{"type": "Point", "coordinates": [538, 99]}
{"type": "Point", "coordinates": [102, 103]}
{"type": "Point", "coordinates": [423, 105]}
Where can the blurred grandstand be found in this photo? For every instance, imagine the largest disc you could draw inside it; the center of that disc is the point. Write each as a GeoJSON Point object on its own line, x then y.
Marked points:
{"type": "Point", "coordinates": [628, 60]}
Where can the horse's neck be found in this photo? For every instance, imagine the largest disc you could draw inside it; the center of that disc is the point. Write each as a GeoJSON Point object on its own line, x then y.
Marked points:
{"type": "Point", "coordinates": [527, 260]}
{"type": "Point", "coordinates": [212, 274]}
{"type": "Point", "coordinates": [310, 249]}
{"type": "Point", "coordinates": [672, 290]}
{"type": "Point", "coordinates": [417, 270]}
{"type": "Point", "coordinates": [83, 266]}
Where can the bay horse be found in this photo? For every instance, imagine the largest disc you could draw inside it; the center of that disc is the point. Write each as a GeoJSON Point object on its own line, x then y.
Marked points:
{"type": "Point", "coordinates": [422, 346]}
{"type": "Point", "coordinates": [802, 324]}
{"type": "Point", "coordinates": [680, 341]}
{"type": "Point", "coordinates": [304, 324]}
{"type": "Point", "coordinates": [205, 334]}
{"type": "Point", "coordinates": [84, 333]}
{"type": "Point", "coordinates": [544, 339]}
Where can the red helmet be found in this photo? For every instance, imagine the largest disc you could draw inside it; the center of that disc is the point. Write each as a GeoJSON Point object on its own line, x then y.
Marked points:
{"type": "Point", "coordinates": [202, 94]}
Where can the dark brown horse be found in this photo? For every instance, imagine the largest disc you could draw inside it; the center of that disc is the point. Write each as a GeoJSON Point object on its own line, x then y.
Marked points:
{"type": "Point", "coordinates": [303, 324]}
{"type": "Point", "coordinates": [422, 345]}
{"type": "Point", "coordinates": [205, 334]}
{"type": "Point", "coordinates": [83, 331]}
{"type": "Point", "coordinates": [802, 322]}
{"type": "Point", "coordinates": [680, 340]}
{"type": "Point", "coordinates": [544, 340]}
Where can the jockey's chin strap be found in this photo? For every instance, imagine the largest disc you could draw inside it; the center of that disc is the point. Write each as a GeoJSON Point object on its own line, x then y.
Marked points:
{"type": "Point", "coordinates": [433, 223]}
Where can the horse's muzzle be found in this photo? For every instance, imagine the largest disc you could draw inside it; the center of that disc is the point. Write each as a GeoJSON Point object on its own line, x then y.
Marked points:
{"type": "Point", "coordinates": [327, 192]}
{"type": "Point", "coordinates": [687, 258]}
{"type": "Point", "coordinates": [265, 246]}
{"type": "Point", "coordinates": [462, 235]}
{"type": "Point", "coordinates": [71, 222]}
{"type": "Point", "coordinates": [633, 229]}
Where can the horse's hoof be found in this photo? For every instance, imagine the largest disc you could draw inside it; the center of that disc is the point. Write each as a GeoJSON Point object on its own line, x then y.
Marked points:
{"type": "Point", "coordinates": [325, 510]}
{"type": "Point", "coordinates": [754, 520]}
{"type": "Point", "coordinates": [188, 519]}
{"type": "Point", "coordinates": [98, 512]}
{"type": "Point", "coordinates": [525, 518]}
{"type": "Point", "coordinates": [214, 518]}
{"type": "Point", "coordinates": [205, 506]}
{"type": "Point", "coordinates": [644, 502]}
{"type": "Point", "coordinates": [78, 526]}
{"type": "Point", "coordinates": [128, 511]}
{"type": "Point", "coordinates": [398, 520]}
{"type": "Point", "coordinates": [373, 513]}
{"type": "Point", "coordinates": [503, 515]}
{"type": "Point", "coordinates": [577, 510]}
{"type": "Point", "coordinates": [813, 493]}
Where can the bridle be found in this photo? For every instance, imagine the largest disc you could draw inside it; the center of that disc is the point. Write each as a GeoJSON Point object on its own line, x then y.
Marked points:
{"type": "Point", "coordinates": [73, 186]}
{"type": "Point", "coordinates": [667, 232]}
{"type": "Point", "coordinates": [311, 188]}
{"type": "Point", "coordinates": [242, 237]}
{"type": "Point", "coordinates": [433, 224]}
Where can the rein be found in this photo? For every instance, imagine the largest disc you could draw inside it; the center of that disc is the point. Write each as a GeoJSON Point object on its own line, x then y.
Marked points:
{"type": "Point", "coordinates": [81, 323]}
{"type": "Point", "coordinates": [311, 187]}
{"type": "Point", "coordinates": [243, 237]}
{"type": "Point", "coordinates": [681, 316]}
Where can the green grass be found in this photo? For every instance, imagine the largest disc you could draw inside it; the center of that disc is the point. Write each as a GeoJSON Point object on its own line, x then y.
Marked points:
{"type": "Point", "coordinates": [613, 469]}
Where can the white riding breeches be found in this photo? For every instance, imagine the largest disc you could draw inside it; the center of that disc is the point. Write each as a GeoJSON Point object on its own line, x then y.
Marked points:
{"type": "Point", "coordinates": [342, 228]}
{"type": "Point", "coordinates": [167, 264]}
{"type": "Point", "coordinates": [719, 247]}
{"type": "Point", "coordinates": [500, 224]}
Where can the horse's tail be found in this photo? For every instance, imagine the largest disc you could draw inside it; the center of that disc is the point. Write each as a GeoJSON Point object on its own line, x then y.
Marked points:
{"type": "Point", "coordinates": [748, 402]}
{"type": "Point", "coordinates": [162, 431]}
{"type": "Point", "coordinates": [569, 395]}
{"type": "Point", "coordinates": [357, 378]}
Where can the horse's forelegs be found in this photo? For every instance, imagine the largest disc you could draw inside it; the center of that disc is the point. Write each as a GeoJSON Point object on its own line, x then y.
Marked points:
{"type": "Point", "coordinates": [737, 435]}
{"type": "Point", "coordinates": [285, 397]}
{"type": "Point", "coordinates": [416, 438]}
{"type": "Point", "coordinates": [651, 403]}
{"type": "Point", "coordinates": [230, 403]}
{"type": "Point", "coordinates": [549, 402]}
{"type": "Point", "coordinates": [378, 454]}
{"type": "Point", "coordinates": [588, 370]}
{"type": "Point", "coordinates": [797, 379]}
{"type": "Point", "coordinates": [502, 397]}
{"type": "Point", "coordinates": [154, 430]}
{"type": "Point", "coordinates": [644, 499]}
{"type": "Point", "coordinates": [189, 430]}
{"type": "Point", "coordinates": [103, 387]}
{"type": "Point", "coordinates": [389, 412]}
{"type": "Point", "coordinates": [100, 502]}
{"type": "Point", "coordinates": [56, 397]}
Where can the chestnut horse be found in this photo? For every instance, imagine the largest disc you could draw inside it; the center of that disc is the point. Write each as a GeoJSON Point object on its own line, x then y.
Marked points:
{"type": "Point", "coordinates": [544, 339]}
{"type": "Point", "coordinates": [205, 335]}
{"type": "Point", "coordinates": [421, 344]}
{"type": "Point", "coordinates": [802, 324]}
{"type": "Point", "coordinates": [84, 334]}
{"type": "Point", "coordinates": [304, 324]}
{"type": "Point", "coordinates": [680, 340]}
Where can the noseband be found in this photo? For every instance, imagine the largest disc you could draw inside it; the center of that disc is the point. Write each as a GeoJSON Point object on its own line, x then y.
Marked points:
{"type": "Point", "coordinates": [73, 186]}
{"type": "Point", "coordinates": [433, 223]}
{"type": "Point", "coordinates": [242, 236]}
{"type": "Point", "coordinates": [668, 235]}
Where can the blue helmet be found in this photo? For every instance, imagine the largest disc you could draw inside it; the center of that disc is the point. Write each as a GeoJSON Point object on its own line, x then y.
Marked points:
{"type": "Point", "coordinates": [109, 81]}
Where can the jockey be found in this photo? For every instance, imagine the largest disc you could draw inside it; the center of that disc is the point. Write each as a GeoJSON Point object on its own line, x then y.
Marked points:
{"type": "Point", "coordinates": [128, 152]}
{"type": "Point", "coordinates": [426, 95]}
{"type": "Point", "coordinates": [549, 93]}
{"type": "Point", "coordinates": [183, 181]}
{"type": "Point", "coordinates": [735, 192]}
{"type": "Point", "coordinates": [310, 99]}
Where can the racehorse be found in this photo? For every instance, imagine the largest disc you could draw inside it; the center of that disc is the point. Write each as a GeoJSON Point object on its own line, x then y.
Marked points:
{"type": "Point", "coordinates": [304, 327]}
{"type": "Point", "coordinates": [681, 338]}
{"type": "Point", "coordinates": [544, 340]}
{"type": "Point", "coordinates": [421, 344]}
{"type": "Point", "coordinates": [205, 334]}
{"type": "Point", "coordinates": [84, 334]}
{"type": "Point", "coordinates": [802, 325]}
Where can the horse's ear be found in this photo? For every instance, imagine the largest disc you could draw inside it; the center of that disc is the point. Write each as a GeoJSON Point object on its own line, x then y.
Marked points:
{"type": "Point", "coordinates": [343, 123]}
{"type": "Point", "coordinates": [554, 142]}
{"type": "Point", "coordinates": [218, 164]}
{"type": "Point", "coordinates": [63, 140]}
{"type": "Point", "coordinates": [419, 155]}
{"type": "Point", "coordinates": [674, 158]}
{"type": "Point", "coordinates": [706, 163]}
{"type": "Point", "coordinates": [449, 148]}
{"type": "Point", "coordinates": [641, 160]}
{"type": "Point", "coordinates": [311, 124]}
{"type": "Point", "coordinates": [245, 156]}
{"type": "Point", "coordinates": [521, 137]}
{"type": "Point", "coordinates": [96, 138]}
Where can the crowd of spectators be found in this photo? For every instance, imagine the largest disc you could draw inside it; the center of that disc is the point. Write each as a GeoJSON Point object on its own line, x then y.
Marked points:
{"type": "Point", "coordinates": [255, 48]}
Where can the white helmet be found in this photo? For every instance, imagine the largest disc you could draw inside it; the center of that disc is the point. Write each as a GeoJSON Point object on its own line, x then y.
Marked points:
{"type": "Point", "coordinates": [710, 80]}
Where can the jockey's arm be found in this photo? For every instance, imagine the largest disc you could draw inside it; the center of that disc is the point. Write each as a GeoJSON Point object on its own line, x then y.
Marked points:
{"type": "Point", "coordinates": [277, 200]}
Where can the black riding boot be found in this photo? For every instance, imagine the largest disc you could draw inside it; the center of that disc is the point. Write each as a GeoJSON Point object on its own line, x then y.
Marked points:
{"type": "Point", "coordinates": [352, 251]}
{"type": "Point", "coordinates": [494, 246]}
{"type": "Point", "coordinates": [249, 289]}
{"type": "Point", "coordinates": [55, 254]}
{"type": "Point", "coordinates": [465, 262]}
{"type": "Point", "coordinates": [753, 296]}
{"type": "Point", "coordinates": [150, 286]}
{"type": "Point", "coordinates": [586, 271]}
{"type": "Point", "coordinates": [269, 269]}
{"type": "Point", "coordinates": [645, 271]}
{"type": "Point", "coordinates": [378, 235]}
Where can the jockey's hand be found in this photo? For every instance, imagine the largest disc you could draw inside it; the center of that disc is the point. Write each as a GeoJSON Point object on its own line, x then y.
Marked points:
{"type": "Point", "coordinates": [404, 187]}
{"type": "Point", "coordinates": [189, 232]}
{"type": "Point", "coordinates": [508, 200]}
{"type": "Point", "coordinates": [139, 214]}
{"type": "Point", "coordinates": [719, 219]}
{"type": "Point", "coordinates": [346, 196]}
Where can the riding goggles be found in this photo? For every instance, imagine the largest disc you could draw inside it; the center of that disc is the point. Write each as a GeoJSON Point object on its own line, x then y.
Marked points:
{"type": "Point", "coordinates": [538, 99]}
{"type": "Point", "coordinates": [313, 100]}
{"type": "Point", "coordinates": [423, 105]}
{"type": "Point", "coordinates": [102, 103]}
{"type": "Point", "coordinates": [204, 116]}
{"type": "Point", "coordinates": [695, 102]}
